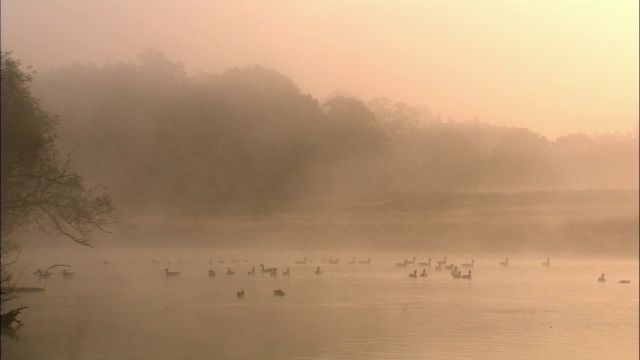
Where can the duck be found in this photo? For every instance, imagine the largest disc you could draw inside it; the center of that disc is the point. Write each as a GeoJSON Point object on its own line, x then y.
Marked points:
{"type": "Point", "coordinates": [443, 262]}
{"type": "Point", "coordinates": [170, 273]}
{"type": "Point", "coordinates": [318, 271]}
{"type": "Point", "coordinates": [468, 265]}
{"type": "Point", "coordinates": [601, 278]}
{"type": "Point", "coordinates": [365, 262]}
{"type": "Point", "coordinates": [414, 275]}
{"type": "Point", "coordinates": [352, 262]}
{"type": "Point", "coordinates": [212, 273]}
{"type": "Point", "coordinates": [301, 262]}
{"type": "Point", "coordinates": [424, 273]}
{"type": "Point", "coordinates": [624, 281]}
{"type": "Point", "coordinates": [505, 262]}
{"type": "Point", "coordinates": [67, 274]}
{"type": "Point", "coordinates": [267, 270]}
{"type": "Point", "coordinates": [230, 272]}
{"type": "Point", "coordinates": [278, 292]}
{"type": "Point", "coordinates": [240, 294]}
{"type": "Point", "coordinates": [286, 273]}
{"type": "Point", "coordinates": [252, 272]}
{"type": "Point", "coordinates": [468, 276]}
{"type": "Point", "coordinates": [546, 263]}
{"type": "Point", "coordinates": [427, 264]}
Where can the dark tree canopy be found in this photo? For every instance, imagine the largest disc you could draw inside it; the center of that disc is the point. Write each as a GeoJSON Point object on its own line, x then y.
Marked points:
{"type": "Point", "coordinates": [36, 187]}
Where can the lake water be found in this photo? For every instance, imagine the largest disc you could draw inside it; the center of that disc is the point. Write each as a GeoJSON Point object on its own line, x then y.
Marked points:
{"type": "Point", "coordinates": [129, 309]}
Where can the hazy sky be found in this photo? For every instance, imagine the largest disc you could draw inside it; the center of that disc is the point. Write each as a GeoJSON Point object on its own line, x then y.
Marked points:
{"type": "Point", "coordinates": [553, 66]}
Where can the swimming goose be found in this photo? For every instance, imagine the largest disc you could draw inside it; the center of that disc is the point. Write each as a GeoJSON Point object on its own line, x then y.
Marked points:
{"type": "Point", "coordinates": [424, 273]}
{"type": "Point", "coordinates": [212, 273]}
{"type": "Point", "coordinates": [278, 292]}
{"type": "Point", "coordinates": [170, 273]}
{"type": "Point", "coordinates": [367, 262]}
{"type": "Point", "coordinates": [414, 275]}
{"type": "Point", "coordinates": [546, 263]}
{"type": "Point", "coordinates": [43, 274]}
{"type": "Point", "coordinates": [334, 262]}
{"type": "Point", "coordinates": [252, 272]}
{"type": "Point", "coordinates": [443, 262]}
{"type": "Point", "coordinates": [267, 270]}
{"type": "Point", "coordinates": [240, 294]}
{"type": "Point", "coordinates": [454, 271]}
{"type": "Point", "coordinates": [624, 281]}
{"type": "Point", "coordinates": [457, 275]}
{"type": "Point", "coordinates": [439, 267]}
{"type": "Point", "coordinates": [402, 264]}
{"type": "Point", "coordinates": [450, 267]}
{"type": "Point", "coordinates": [468, 265]}
{"type": "Point", "coordinates": [274, 273]}
{"type": "Point", "coordinates": [427, 264]}
{"type": "Point", "coordinates": [601, 278]}
{"type": "Point", "coordinates": [412, 262]}
{"type": "Point", "coordinates": [505, 262]}
{"type": "Point", "coordinates": [67, 274]}
{"type": "Point", "coordinates": [302, 262]}
{"type": "Point", "coordinates": [352, 262]}
{"type": "Point", "coordinates": [467, 276]}
{"type": "Point", "coordinates": [230, 272]}
{"type": "Point", "coordinates": [286, 273]}
{"type": "Point", "coordinates": [318, 271]}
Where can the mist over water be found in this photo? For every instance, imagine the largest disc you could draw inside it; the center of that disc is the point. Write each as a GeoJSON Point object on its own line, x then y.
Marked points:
{"type": "Point", "coordinates": [130, 309]}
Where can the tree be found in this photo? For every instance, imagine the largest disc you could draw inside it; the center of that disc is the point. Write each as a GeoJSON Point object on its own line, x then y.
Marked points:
{"type": "Point", "coordinates": [36, 188]}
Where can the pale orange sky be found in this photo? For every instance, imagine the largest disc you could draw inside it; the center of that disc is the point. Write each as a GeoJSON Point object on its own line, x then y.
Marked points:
{"type": "Point", "coordinates": [552, 66]}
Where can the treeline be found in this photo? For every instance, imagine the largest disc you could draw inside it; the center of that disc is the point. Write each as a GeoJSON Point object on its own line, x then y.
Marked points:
{"type": "Point", "coordinates": [249, 137]}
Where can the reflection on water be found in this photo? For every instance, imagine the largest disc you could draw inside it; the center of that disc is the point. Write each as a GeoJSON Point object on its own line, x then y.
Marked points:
{"type": "Point", "coordinates": [130, 309]}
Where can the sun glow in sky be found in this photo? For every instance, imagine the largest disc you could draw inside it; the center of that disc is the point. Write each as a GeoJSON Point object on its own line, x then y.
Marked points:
{"type": "Point", "coordinates": [555, 67]}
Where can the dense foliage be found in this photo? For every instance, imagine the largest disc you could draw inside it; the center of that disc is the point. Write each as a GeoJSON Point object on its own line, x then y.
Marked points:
{"type": "Point", "coordinates": [249, 138]}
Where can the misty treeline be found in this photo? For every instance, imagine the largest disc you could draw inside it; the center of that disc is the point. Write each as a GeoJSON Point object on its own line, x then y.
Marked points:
{"type": "Point", "coordinates": [249, 138]}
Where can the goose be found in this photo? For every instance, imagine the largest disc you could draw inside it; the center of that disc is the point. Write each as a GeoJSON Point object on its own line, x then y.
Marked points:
{"type": "Point", "coordinates": [439, 267]}
{"type": "Point", "coordinates": [424, 273]}
{"type": "Point", "coordinates": [267, 270]}
{"type": "Point", "coordinates": [468, 265]}
{"type": "Point", "coordinates": [363, 262]}
{"type": "Point", "coordinates": [412, 262]}
{"type": "Point", "coordinates": [230, 272]}
{"type": "Point", "coordinates": [546, 263]}
{"type": "Point", "coordinates": [153, 261]}
{"type": "Point", "coordinates": [274, 273]}
{"type": "Point", "coordinates": [601, 278]}
{"type": "Point", "coordinates": [505, 262]}
{"type": "Point", "coordinates": [252, 272]}
{"type": "Point", "coordinates": [286, 273]}
{"type": "Point", "coordinates": [170, 273]}
{"type": "Point", "coordinates": [402, 264]}
{"type": "Point", "coordinates": [454, 271]}
{"type": "Point", "coordinates": [212, 273]}
{"type": "Point", "coordinates": [43, 274]}
{"type": "Point", "coordinates": [240, 294]}
{"type": "Point", "coordinates": [302, 262]}
{"type": "Point", "coordinates": [334, 262]}
{"type": "Point", "coordinates": [450, 267]}
{"type": "Point", "coordinates": [428, 263]}
{"type": "Point", "coordinates": [443, 262]}
{"type": "Point", "coordinates": [278, 292]}
{"type": "Point", "coordinates": [107, 263]}
{"type": "Point", "coordinates": [67, 274]}
{"type": "Point", "coordinates": [624, 281]}
{"type": "Point", "coordinates": [414, 275]}
{"type": "Point", "coordinates": [467, 276]}
{"type": "Point", "coordinates": [457, 275]}
{"type": "Point", "coordinates": [352, 262]}
{"type": "Point", "coordinates": [318, 271]}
